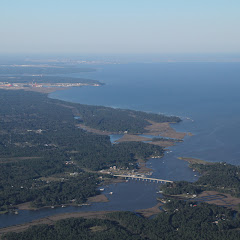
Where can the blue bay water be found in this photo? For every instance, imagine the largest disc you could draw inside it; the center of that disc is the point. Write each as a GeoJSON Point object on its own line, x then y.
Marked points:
{"type": "Point", "coordinates": [205, 95]}
{"type": "Point", "coordinates": [208, 93]}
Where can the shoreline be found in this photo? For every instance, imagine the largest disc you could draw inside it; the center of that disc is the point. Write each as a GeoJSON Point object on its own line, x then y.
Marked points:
{"type": "Point", "coordinates": [155, 130]}
{"type": "Point", "coordinates": [95, 199]}
{"type": "Point", "coordinates": [51, 220]}
{"type": "Point", "coordinates": [210, 197]}
{"type": "Point", "coordinates": [211, 194]}
{"type": "Point", "coordinates": [194, 160]}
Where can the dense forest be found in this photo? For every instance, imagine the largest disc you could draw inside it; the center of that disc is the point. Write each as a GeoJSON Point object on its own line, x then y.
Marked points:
{"type": "Point", "coordinates": [179, 220]}
{"type": "Point", "coordinates": [118, 120]}
{"type": "Point", "coordinates": [47, 160]}
{"type": "Point", "coordinates": [38, 136]}
{"type": "Point", "coordinates": [221, 177]}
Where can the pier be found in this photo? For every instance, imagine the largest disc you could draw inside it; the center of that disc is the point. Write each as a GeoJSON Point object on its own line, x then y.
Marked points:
{"type": "Point", "coordinates": [143, 178]}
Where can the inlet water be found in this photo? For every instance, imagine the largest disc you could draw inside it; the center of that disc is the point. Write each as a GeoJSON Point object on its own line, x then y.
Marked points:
{"type": "Point", "coordinates": [205, 95]}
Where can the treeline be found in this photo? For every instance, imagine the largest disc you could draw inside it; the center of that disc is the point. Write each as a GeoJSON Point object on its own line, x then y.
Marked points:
{"type": "Point", "coordinates": [181, 220]}
{"type": "Point", "coordinates": [155, 139]}
{"type": "Point", "coordinates": [119, 120]}
{"type": "Point", "coordinates": [181, 187]}
{"type": "Point", "coordinates": [71, 190]}
{"type": "Point", "coordinates": [46, 79]}
{"type": "Point", "coordinates": [221, 177]}
{"type": "Point", "coordinates": [22, 181]}
{"type": "Point", "coordinates": [33, 125]}
{"type": "Point", "coordinates": [123, 155]}
{"type": "Point", "coordinates": [51, 193]}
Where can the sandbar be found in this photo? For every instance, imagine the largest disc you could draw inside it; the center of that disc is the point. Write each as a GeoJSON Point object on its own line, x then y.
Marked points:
{"type": "Point", "coordinates": [150, 211]}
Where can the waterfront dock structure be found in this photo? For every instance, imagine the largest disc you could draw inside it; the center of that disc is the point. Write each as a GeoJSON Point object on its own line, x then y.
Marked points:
{"type": "Point", "coordinates": [143, 178]}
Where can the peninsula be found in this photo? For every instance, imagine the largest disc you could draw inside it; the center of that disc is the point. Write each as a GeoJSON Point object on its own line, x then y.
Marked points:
{"type": "Point", "coordinates": [219, 184]}
{"type": "Point", "coordinates": [56, 153]}
{"type": "Point", "coordinates": [41, 138]}
{"type": "Point", "coordinates": [44, 84]}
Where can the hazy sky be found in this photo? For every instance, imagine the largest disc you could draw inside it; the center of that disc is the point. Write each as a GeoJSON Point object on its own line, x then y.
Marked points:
{"type": "Point", "coordinates": [119, 26]}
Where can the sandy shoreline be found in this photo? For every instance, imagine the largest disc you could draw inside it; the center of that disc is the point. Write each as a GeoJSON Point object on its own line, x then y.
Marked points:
{"type": "Point", "coordinates": [163, 129]}
{"type": "Point", "coordinates": [36, 89]}
{"type": "Point", "coordinates": [220, 199]}
{"type": "Point", "coordinates": [52, 219]}
{"type": "Point", "coordinates": [95, 199]}
{"type": "Point", "coordinates": [95, 214]}
{"type": "Point", "coordinates": [213, 197]}
{"type": "Point", "coordinates": [155, 129]}
{"type": "Point", "coordinates": [194, 160]}
{"type": "Point", "coordinates": [93, 130]}
{"type": "Point", "coordinates": [150, 211]}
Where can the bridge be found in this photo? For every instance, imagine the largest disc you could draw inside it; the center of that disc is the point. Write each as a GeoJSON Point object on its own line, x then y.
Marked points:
{"type": "Point", "coordinates": [144, 178]}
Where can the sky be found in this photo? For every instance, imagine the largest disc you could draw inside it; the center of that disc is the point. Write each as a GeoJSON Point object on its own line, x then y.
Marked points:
{"type": "Point", "coordinates": [119, 26]}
